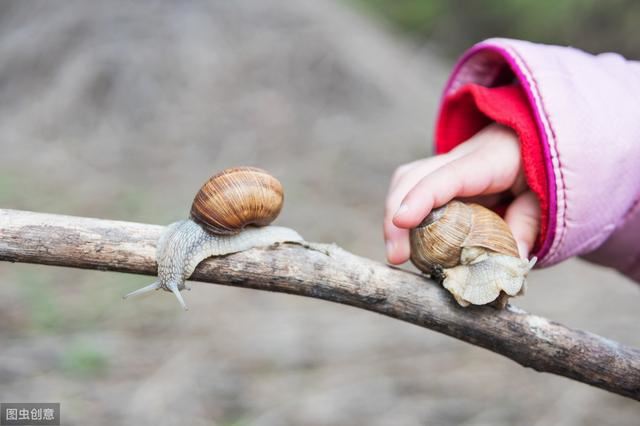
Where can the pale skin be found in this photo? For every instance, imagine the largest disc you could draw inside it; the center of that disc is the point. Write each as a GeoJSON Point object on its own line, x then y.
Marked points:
{"type": "Point", "coordinates": [482, 169]}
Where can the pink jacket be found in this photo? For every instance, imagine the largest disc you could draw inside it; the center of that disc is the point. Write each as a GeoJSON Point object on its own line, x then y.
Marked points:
{"type": "Point", "coordinates": [587, 111]}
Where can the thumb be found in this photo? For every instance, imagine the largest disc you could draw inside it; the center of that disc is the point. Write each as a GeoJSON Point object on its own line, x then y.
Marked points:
{"type": "Point", "coordinates": [523, 217]}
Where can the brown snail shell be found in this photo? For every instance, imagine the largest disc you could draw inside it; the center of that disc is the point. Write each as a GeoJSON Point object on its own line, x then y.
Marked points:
{"type": "Point", "coordinates": [440, 238]}
{"type": "Point", "coordinates": [472, 251]}
{"type": "Point", "coordinates": [235, 198]}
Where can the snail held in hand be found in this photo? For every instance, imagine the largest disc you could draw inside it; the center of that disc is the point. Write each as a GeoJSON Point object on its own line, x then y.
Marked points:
{"type": "Point", "coordinates": [229, 214]}
{"type": "Point", "coordinates": [471, 251]}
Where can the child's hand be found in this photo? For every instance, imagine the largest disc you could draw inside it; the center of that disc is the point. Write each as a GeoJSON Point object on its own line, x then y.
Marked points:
{"type": "Point", "coordinates": [483, 167]}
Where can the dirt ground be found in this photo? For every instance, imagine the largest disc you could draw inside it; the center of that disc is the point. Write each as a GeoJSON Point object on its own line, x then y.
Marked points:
{"type": "Point", "coordinates": [120, 110]}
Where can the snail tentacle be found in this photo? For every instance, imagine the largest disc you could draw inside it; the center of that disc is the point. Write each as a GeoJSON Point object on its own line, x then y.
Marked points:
{"type": "Point", "coordinates": [174, 289]}
{"type": "Point", "coordinates": [146, 289]}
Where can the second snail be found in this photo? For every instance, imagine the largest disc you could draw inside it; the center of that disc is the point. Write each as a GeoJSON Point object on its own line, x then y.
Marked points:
{"type": "Point", "coordinates": [471, 251]}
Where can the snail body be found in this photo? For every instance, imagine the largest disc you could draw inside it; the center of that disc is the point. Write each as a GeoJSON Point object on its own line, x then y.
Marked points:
{"type": "Point", "coordinates": [230, 213]}
{"type": "Point", "coordinates": [471, 250]}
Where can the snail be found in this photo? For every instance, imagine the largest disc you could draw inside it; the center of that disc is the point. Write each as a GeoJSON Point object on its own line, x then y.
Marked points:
{"type": "Point", "coordinates": [230, 213]}
{"type": "Point", "coordinates": [470, 250]}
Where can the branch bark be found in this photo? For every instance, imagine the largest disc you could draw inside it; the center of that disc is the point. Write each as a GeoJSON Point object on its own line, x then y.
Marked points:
{"type": "Point", "coordinates": [327, 272]}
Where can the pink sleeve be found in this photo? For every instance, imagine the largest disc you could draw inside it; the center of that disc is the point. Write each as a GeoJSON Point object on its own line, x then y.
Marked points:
{"type": "Point", "coordinates": [587, 111]}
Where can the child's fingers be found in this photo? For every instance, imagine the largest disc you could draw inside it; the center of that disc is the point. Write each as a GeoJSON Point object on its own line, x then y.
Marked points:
{"type": "Point", "coordinates": [397, 239]}
{"type": "Point", "coordinates": [405, 178]}
{"type": "Point", "coordinates": [468, 176]}
{"type": "Point", "coordinates": [523, 217]}
{"type": "Point", "coordinates": [483, 165]}
{"type": "Point", "coordinates": [425, 166]}
{"type": "Point", "coordinates": [490, 168]}
{"type": "Point", "coordinates": [396, 244]}
{"type": "Point", "coordinates": [402, 171]}
{"type": "Point", "coordinates": [408, 175]}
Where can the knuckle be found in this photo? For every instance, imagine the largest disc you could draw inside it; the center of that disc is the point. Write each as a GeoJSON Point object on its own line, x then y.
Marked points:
{"type": "Point", "coordinates": [399, 172]}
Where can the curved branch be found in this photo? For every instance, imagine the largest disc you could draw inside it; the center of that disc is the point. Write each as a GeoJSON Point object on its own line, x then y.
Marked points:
{"type": "Point", "coordinates": [330, 273]}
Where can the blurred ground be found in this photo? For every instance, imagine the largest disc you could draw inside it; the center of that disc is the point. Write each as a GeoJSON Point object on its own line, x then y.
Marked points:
{"type": "Point", "coordinates": [120, 110]}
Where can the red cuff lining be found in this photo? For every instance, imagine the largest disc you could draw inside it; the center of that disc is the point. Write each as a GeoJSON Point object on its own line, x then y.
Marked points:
{"type": "Point", "coordinates": [472, 107]}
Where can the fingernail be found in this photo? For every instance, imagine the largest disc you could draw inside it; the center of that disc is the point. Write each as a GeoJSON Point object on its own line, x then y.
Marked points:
{"type": "Point", "coordinates": [522, 249]}
{"type": "Point", "coordinates": [401, 210]}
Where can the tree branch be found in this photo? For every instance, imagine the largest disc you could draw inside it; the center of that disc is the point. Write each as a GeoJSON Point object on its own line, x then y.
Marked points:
{"type": "Point", "coordinates": [330, 273]}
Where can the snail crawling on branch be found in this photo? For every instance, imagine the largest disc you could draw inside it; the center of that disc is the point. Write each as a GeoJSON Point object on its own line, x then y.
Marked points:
{"type": "Point", "coordinates": [470, 250]}
{"type": "Point", "coordinates": [230, 213]}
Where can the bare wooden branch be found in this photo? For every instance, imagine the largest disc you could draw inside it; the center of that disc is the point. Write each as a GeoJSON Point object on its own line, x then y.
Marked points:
{"type": "Point", "coordinates": [330, 273]}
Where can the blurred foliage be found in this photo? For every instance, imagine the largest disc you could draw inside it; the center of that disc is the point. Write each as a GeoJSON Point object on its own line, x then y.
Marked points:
{"type": "Point", "coordinates": [84, 359]}
{"type": "Point", "coordinates": [595, 26]}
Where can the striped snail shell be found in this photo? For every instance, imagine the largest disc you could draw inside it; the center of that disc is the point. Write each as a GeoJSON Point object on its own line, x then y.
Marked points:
{"type": "Point", "coordinates": [235, 198]}
{"type": "Point", "coordinates": [230, 213]}
{"type": "Point", "coordinates": [472, 251]}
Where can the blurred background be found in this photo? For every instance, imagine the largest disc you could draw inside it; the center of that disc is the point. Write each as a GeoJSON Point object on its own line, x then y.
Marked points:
{"type": "Point", "coordinates": [451, 26]}
{"type": "Point", "coordinates": [122, 109]}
